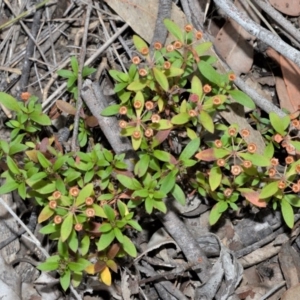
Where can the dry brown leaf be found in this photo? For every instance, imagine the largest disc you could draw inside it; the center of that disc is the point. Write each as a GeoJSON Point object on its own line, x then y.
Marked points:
{"type": "Point", "coordinates": [291, 77]}
{"type": "Point", "coordinates": [141, 15]}
{"type": "Point", "coordinates": [235, 44]}
{"type": "Point", "coordinates": [288, 7]}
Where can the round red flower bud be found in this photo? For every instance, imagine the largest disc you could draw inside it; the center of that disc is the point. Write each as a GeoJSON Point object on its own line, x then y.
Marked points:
{"type": "Point", "coordinates": [170, 48]}
{"type": "Point", "coordinates": [289, 160]}
{"type": "Point", "coordinates": [236, 170]}
{"type": "Point", "coordinates": [199, 35]}
{"type": "Point", "coordinates": [74, 191]}
{"type": "Point", "coordinates": [136, 134]}
{"type": "Point", "coordinates": [231, 77]}
{"type": "Point", "coordinates": [206, 88]}
{"type": "Point", "coordinates": [216, 101]}
{"type": "Point", "coordinates": [194, 98]}
{"type": "Point", "coordinates": [221, 162]}
{"type": "Point", "coordinates": [247, 164]}
{"type": "Point", "coordinates": [148, 132]}
{"type": "Point", "coordinates": [157, 45]}
{"type": "Point", "coordinates": [188, 28]}
{"type": "Point", "coordinates": [89, 201]}
{"type": "Point", "coordinates": [281, 185]}
{"type": "Point", "coordinates": [296, 188]}
{"type": "Point", "coordinates": [218, 143]}
{"type": "Point", "coordinates": [298, 169]}
{"type": "Point", "coordinates": [177, 45]}
{"type": "Point", "coordinates": [227, 192]}
{"type": "Point", "coordinates": [274, 161]}
{"type": "Point", "coordinates": [137, 104]}
{"type": "Point", "coordinates": [149, 105]}
{"type": "Point", "coordinates": [78, 227]}
{"type": "Point", "coordinates": [143, 72]}
{"type": "Point", "coordinates": [90, 212]}
{"type": "Point", "coordinates": [252, 148]}
{"type": "Point", "coordinates": [155, 118]}
{"type": "Point", "coordinates": [272, 172]}
{"type": "Point", "coordinates": [192, 113]}
{"type": "Point", "coordinates": [57, 220]}
{"type": "Point", "coordinates": [123, 110]}
{"type": "Point", "coordinates": [56, 195]}
{"type": "Point", "coordinates": [25, 96]}
{"type": "Point", "coordinates": [52, 204]}
{"type": "Point", "coordinates": [145, 50]}
{"type": "Point", "coordinates": [277, 138]}
{"type": "Point", "coordinates": [167, 65]}
{"type": "Point", "coordinates": [123, 124]}
{"type": "Point", "coordinates": [232, 131]}
{"type": "Point", "coordinates": [296, 123]}
{"type": "Point", "coordinates": [245, 133]}
{"type": "Point", "coordinates": [136, 60]}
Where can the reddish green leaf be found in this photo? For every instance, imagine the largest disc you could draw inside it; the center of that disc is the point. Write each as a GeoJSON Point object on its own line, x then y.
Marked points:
{"type": "Point", "coordinates": [45, 214]}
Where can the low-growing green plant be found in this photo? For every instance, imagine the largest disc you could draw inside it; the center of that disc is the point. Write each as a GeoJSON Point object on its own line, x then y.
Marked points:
{"type": "Point", "coordinates": [169, 101]}
{"type": "Point", "coordinates": [72, 76]}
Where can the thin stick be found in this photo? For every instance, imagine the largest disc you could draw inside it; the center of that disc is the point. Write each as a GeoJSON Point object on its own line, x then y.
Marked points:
{"type": "Point", "coordinates": [34, 239]}
{"type": "Point", "coordinates": [261, 33]}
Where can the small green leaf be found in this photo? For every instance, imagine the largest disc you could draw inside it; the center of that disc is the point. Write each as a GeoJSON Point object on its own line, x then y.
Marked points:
{"type": "Point", "coordinates": [65, 73]}
{"type": "Point", "coordinates": [85, 245]}
{"type": "Point", "coordinates": [174, 29]}
{"type": "Point", "coordinates": [137, 85]}
{"type": "Point", "coordinates": [278, 123]}
{"type": "Point", "coordinates": [164, 156]}
{"type": "Point", "coordinates": [287, 213]}
{"type": "Point", "coordinates": [86, 71]}
{"type": "Point", "coordinates": [215, 177]}
{"type": "Point", "coordinates": [51, 264]}
{"type": "Point", "coordinates": [12, 166]}
{"type": "Point", "coordinates": [109, 212]}
{"type": "Point", "coordinates": [110, 110]}
{"type": "Point", "coordinates": [84, 193]}
{"type": "Point", "coordinates": [129, 182]}
{"type": "Point", "coordinates": [202, 48]}
{"type": "Point", "coordinates": [66, 227]}
{"type": "Point", "coordinates": [242, 98]}
{"type": "Point", "coordinates": [168, 182]}
{"type": "Point", "coordinates": [9, 102]}
{"type": "Point", "coordinates": [122, 208]}
{"type": "Point", "coordinates": [139, 43]}
{"type": "Point", "coordinates": [141, 166]}
{"type": "Point", "coordinates": [269, 190]}
{"type": "Point", "coordinates": [73, 241]}
{"type": "Point", "coordinates": [135, 225]}
{"type": "Point", "coordinates": [128, 246]}
{"type": "Point", "coordinates": [210, 73]}
{"type": "Point", "coordinates": [105, 227]}
{"type": "Point", "coordinates": [105, 240]}
{"type": "Point", "coordinates": [65, 279]}
{"type": "Point", "coordinates": [178, 194]}
{"type": "Point", "coordinates": [214, 215]}
{"type": "Point", "coordinates": [197, 87]}
{"type": "Point", "coordinates": [181, 118]}
{"type": "Point", "coordinates": [74, 64]}
{"type": "Point", "coordinates": [16, 148]}
{"type": "Point", "coordinates": [161, 79]}
{"type": "Point", "coordinates": [45, 163]}
{"type": "Point", "coordinates": [191, 148]}
{"type": "Point", "coordinates": [40, 118]}
{"type": "Point", "coordinates": [269, 151]}
{"type": "Point", "coordinates": [206, 121]}
{"type": "Point", "coordinates": [118, 234]}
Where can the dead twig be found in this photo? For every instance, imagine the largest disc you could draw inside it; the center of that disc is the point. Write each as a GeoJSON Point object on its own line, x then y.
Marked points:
{"type": "Point", "coordinates": [79, 77]}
